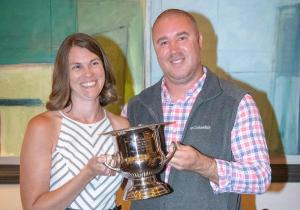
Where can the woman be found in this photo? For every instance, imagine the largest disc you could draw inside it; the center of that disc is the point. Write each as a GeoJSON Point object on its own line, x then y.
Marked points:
{"type": "Point", "coordinates": [63, 154]}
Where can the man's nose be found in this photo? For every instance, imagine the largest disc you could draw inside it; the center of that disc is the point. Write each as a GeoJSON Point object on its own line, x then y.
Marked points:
{"type": "Point", "coordinates": [173, 46]}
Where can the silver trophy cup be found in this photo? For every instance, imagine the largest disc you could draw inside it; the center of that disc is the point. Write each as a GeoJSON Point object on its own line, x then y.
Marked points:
{"type": "Point", "coordinates": [139, 159]}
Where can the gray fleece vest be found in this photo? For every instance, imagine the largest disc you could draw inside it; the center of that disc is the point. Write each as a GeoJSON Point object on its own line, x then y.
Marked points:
{"type": "Point", "coordinates": [208, 129]}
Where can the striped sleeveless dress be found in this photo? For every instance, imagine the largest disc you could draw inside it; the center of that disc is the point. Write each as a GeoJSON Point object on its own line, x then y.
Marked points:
{"type": "Point", "coordinates": [77, 143]}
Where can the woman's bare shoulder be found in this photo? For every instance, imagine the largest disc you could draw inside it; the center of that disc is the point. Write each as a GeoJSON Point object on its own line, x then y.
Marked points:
{"type": "Point", "coordinates": [45, 120]}
{"type": "Point", "coordinates": [43, 126]}
{"type": "Point", "coordinates": [118, 122]}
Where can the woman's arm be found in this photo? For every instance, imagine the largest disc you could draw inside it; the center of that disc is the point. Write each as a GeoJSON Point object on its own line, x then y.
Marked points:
{"type": "Point", "coordinates": [35, 167]}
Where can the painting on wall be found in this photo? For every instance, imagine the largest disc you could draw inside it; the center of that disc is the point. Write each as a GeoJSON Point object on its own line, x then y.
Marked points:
{"type": "Point", "coordinates": [31, 32]}
{"type": "Point", "coordinates": [272, 72]}
{"type": "Point", "coordinates": [256, 44]}
{"type": "Point", "coordinates": [282, 113]}
{"type": "Point", "coordinates": [30, 40]}
{"type": "Point", "coordinates": [27, 87]}
{"type": "Point", "coordinates": [286, 95]}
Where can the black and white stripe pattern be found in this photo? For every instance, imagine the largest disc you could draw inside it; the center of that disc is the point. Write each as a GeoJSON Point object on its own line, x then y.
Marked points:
{"type": "Point", "coordinates": [77, 143]}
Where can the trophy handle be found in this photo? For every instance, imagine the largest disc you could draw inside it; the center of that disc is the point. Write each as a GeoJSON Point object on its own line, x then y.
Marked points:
{"type": "Point", "coordinates": [115, 157]}
{"type": "Point", "coordinates": [170, 154]}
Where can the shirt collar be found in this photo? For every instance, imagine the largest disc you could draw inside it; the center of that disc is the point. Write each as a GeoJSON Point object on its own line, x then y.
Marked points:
{"type": "Point", "coordinates": [194, 90]}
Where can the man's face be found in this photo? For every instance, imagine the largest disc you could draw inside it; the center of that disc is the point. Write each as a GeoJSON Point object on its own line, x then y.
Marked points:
{"type": "Point", "coordinates": [177, 43]}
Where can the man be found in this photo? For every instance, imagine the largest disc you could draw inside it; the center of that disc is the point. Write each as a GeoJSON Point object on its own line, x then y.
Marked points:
{"type": "Point", "coordinates": [221, 149]}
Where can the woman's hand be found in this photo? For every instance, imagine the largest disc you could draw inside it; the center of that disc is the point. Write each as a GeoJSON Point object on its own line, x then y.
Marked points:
{"type": "Point", "coordinates": [96, 166]}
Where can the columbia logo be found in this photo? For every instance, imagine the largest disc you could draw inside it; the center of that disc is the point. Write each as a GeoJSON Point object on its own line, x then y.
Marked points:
{"type": "Point", "coordinates": [200, 127]}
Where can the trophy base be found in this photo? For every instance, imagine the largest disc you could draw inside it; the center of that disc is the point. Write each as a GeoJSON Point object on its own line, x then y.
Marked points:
{"type": "Point", "coordinates": [144, 188]}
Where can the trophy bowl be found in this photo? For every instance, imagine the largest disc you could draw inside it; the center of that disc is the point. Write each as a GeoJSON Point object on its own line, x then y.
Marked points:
{"type": "Point", "coordinates": [139, 159]}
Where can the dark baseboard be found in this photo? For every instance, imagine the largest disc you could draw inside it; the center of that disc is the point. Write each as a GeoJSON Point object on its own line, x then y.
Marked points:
{"type": "Point", "coordinates": [9, 174]}
{"type": "Point", "coordinates": [285, 172]}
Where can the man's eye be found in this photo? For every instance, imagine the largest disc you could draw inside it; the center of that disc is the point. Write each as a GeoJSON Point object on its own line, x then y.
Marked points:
{"type": "Point", "coordinates": [182, 38]}
{"type": "Point", "coordinates": [163, 43]}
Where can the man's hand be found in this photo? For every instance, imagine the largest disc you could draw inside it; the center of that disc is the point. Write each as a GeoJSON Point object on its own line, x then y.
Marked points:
{"type": "Point", "coordinates": [188, 158]}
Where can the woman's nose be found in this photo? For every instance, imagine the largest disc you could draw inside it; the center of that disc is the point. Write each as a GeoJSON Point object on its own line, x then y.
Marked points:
{"type": "Point", "coordinates": [88, 70]}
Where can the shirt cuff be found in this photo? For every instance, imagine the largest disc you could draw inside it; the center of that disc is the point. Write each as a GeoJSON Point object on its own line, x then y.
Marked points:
{"type": "Point", "coordinates": [224, 173]}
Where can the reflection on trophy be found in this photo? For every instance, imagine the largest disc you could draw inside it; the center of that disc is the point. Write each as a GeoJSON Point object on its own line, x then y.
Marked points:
{"type": "Point", "coordinates": [139, 159]}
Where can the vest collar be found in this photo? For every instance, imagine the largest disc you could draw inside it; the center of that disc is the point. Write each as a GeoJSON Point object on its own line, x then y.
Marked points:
{"type": "Point", "coordinates": [210, 90]}
{"type": "Point", "coordinates": [151, 97]}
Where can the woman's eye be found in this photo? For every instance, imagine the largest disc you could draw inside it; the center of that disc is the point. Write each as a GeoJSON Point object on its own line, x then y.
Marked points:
{"type": "Point", "coordinates": [76, 67]}
{"type": "Point", "coordinates": [95, 63]}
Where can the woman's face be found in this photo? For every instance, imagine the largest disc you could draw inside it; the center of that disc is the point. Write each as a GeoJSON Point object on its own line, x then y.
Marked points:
{"type": "Point", "coordinates": [86, 73]}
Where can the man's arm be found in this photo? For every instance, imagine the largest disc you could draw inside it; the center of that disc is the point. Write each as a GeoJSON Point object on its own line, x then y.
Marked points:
{"type": "Point", "coordinates": [250, 171]}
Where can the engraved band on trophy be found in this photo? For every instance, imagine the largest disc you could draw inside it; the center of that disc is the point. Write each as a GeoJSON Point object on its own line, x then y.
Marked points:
{"type": "Point", "coordinates": [139, 159]}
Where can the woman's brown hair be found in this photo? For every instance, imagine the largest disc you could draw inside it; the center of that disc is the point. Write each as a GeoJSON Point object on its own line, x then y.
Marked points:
{"type": "Point", "coordinates": [60, 96]}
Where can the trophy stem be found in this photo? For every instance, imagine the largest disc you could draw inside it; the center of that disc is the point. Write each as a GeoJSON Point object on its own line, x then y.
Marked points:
{"type": "Point", "coordinates": [146, 187]}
